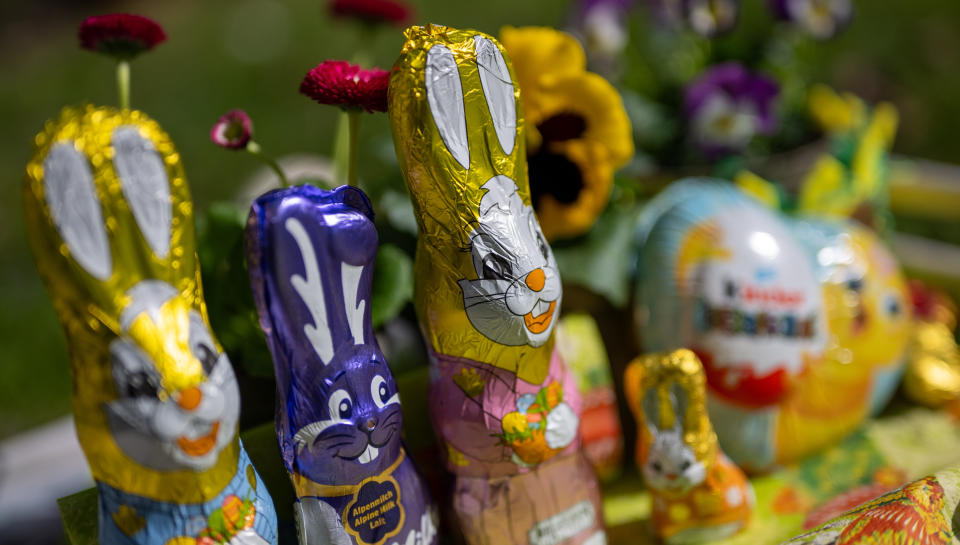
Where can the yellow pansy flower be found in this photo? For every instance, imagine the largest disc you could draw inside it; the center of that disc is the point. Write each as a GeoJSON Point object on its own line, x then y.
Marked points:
{"type": "Point", "coordinates": [578, 131]}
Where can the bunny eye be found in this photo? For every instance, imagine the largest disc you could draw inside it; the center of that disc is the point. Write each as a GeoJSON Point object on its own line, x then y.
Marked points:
{"type": "Point", "coordinates": [132, 371]}
{"type": "Point", "coordinates": [445, 96]}
{"type": "Point", "coordinates": [208, 358]}
{"type": "Point", "coordinates": [496, 267]}
{"type": "Point", "coordinates": [544, 249]}
{"type": "Point", "coordinates": [201, 344]}
{"type": "Point", "coordinates": [893, 305]}
{"type": "Point", "coordinates": [657, 467]}
{"type": "Point", "coordinates": [142, 384]}
{"type": "Point", "coordinates": [538, 236]}
{"type": "Point", "coordinates": [341, 406]}
{"type": "Point", "coordinates": [381, 392]}
{"type": "Point", "coordinates": [685, 465]}
{"type": "Point", "coordinates": [855, 284]}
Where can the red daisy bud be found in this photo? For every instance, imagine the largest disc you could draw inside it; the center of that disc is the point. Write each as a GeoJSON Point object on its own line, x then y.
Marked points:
{"type": "Point", "coordinates": [233, 130]}
{"type": "Point", "coordinates": [120, 35]}
{"type": "Point", "coordinates": [371, 11]}
{"type": "Point", "coordinates": [347, 85]}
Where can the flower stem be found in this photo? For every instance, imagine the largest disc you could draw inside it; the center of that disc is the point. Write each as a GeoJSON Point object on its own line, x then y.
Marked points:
{"type": "Point", "coordinates": [254, 149]}
{"type": "Point", "coordinates": [354, 125]}
{"type": "Point", "coordinates": [123, 84]}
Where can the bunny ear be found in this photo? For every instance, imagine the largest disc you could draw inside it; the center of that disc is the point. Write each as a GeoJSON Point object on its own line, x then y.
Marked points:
{"type": "Point", "coordinates": [498, 90]}
{"type": "Point", "coordinates": [145, 185]}
{"type": "Point", "coordinates": [679, 401]}
{"type": "Point", "coordinates": [354, 198]}
{"type": "Point", "coordinates": [445, 96]}
{"type": "Point", "coordinates": [651, 409]}
{"type": "Point", "coordinates": [72, 200]}
{"type": "Point", "coordinates": [310, 289]}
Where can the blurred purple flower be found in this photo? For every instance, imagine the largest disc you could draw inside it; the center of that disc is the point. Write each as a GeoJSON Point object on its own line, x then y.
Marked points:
{"type": "Point", "coordinates": [603, 26]}
{"type": "Point", "coordinates": [710, 17]}
{"type": "Point", "coordinates": [821, 19]}
{"type": "Point", "coordinates": [621, 5]}
{"type": "Point", "coordinates": [668, 13]}
{"type": "Point", "coordinates": [233, 130]}
{"type": "Point", "coordinates": [727, 106]}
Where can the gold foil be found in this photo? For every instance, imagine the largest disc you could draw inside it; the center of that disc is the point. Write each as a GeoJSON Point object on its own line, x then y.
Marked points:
{"type": "Point", "coordinates": [659, 374]}
{"type": "Point", "coordinates": [446, 195]}
{"type": "Point", "coordinates": [932, 377]}
{"type": "Point", "coordinates": [90, 308]}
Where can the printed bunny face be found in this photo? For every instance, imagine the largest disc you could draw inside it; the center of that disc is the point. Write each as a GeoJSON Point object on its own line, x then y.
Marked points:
{"type": "Point", "coordinates": [311, 255]}
{"type": "Point", "coordinates": [485, 276]}
{"type": "Point", "coordinates": [671, 464]}
{"type": "Point", "coordinates": [667, 394]}
{"type": "Point", "coordinates": [355, 429]}
{"type": "Point", "coordinates": [517, 290]}
{"type": "Point", "coordinates": [179, 401]}
{"type": "Point", "coordinates": [110, 223]}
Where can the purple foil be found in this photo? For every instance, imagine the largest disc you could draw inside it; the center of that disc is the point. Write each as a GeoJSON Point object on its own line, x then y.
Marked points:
{"type": "Point", "coordinates": [310, 254]}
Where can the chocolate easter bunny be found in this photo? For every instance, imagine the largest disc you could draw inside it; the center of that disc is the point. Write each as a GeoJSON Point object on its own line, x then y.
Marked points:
{"type": "Point", "coordinates": [503, 404]}
{"type": "Point", "coordinates": [698, 493]}
{"type": "Point", "coordinates": [156, 403]}
{"type": "Point", "coordinates": [310, 254]}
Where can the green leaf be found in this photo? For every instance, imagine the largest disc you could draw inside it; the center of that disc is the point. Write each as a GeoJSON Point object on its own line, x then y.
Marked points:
{"type": "Point", "coordinates": [80, 516]}
{"type": "Point", "coordinates": [602, 260]}
{"type": "Point", "coordinates": [392, 283]}
{"type": "Point", "coordinates": [226, 287]}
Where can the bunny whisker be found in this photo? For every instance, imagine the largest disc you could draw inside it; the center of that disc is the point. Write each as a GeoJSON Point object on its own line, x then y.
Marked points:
{"type": "Point", "coordinates": [338, 445]}
{"type": "Point", "coordinates": [335, 436]}
{"type": "Point", "coordinates": [485, 300]}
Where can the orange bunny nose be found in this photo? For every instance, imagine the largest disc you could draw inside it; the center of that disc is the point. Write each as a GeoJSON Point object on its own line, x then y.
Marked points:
{"type": "Point", "coordinates": [190, 398]}
{"type": "Point", "coordinates": [536, 279]}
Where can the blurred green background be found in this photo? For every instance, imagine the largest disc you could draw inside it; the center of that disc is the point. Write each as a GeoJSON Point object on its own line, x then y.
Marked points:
{"type": "Point", "coordinates": [252, 54]}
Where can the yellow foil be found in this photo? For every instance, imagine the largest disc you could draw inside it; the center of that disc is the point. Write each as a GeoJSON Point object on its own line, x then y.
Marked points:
{"type": "Point", "coordinates": [90, 308]}
{"type": "Point", "coordinates": [658, 374]}
{"type": "Point", "coordinates": [932, 377]}
{"type": "Point", "coordinates": [446, 195]}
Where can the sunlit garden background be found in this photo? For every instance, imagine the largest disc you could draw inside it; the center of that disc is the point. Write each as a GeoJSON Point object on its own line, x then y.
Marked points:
{"type": "Point", "coordinates": [252, 54]}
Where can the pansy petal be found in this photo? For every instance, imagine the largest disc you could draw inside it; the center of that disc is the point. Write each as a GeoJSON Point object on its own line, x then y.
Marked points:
{"type": "Point", "coordinates": [601, 107]}
{"type": "Point", "coordinates": [540, 54]}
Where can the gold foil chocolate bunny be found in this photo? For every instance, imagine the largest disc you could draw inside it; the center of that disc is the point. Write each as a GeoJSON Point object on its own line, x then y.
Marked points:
{"type": "Point", "coordinates": [698, 493]}
{"type": "Point", "coordinates": [503, 403]}
{"type": "Point", "coordinates": [156, 403]}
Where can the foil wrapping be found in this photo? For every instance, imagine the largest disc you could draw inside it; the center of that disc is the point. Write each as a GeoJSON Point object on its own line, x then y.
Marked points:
{"type": "Point", "coordinates": [801, 324]}
{"type": "Point", "coordinates": [110, 222]}
{"type": "Point", "coordinates": [696, 490]}
{"type": "Point", "coordinates": [932, 377]}
{"type": "Point", "coordinates": [581, 345]}
{"type": "Point", "coordinates": [487, 292]}
{"type": "Point", "coordinates": [310, 254]}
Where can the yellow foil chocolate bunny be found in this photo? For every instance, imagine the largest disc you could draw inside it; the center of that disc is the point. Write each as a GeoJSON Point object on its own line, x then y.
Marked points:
{"type": "Point", "coordinates": [156, 403]}
{"type": "Point", "coordinates": [488, 293]}
{"type": "Point", "coordinates": [698, 493]}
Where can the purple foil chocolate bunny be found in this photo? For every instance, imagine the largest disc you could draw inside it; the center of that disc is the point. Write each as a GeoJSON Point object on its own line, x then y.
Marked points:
{"type": "Point", "coordinates": [311, 255]}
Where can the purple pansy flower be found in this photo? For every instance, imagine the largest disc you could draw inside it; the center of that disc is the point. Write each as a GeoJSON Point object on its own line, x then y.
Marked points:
{"type": "Point", "coordinates": [821, 19]}
{"type": "Point", "coordinates": [233, 130]}
{"type": "Point", "coordinates": [711, 17]}
{"type": "Point", "coordinates": [727, 106]}
{"type": "Point", "coordinates": [603, 24]}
